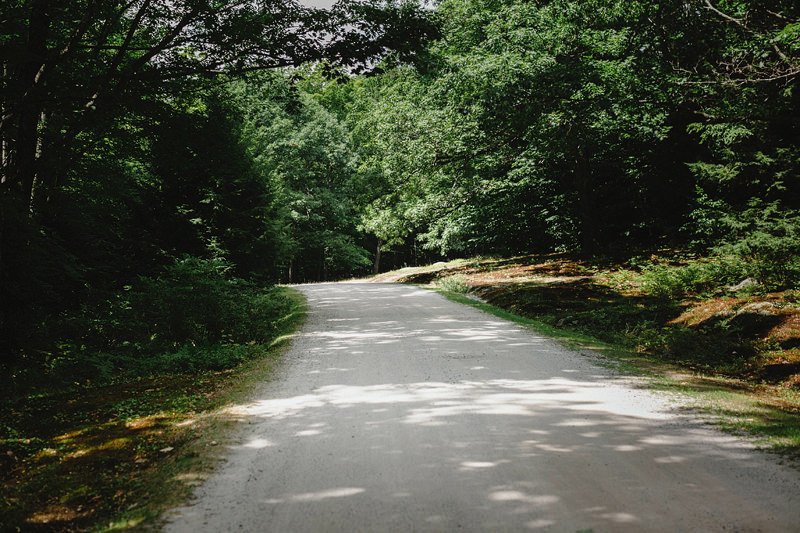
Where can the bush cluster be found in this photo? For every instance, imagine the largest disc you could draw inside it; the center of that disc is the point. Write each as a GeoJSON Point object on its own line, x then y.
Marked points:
{"type": "Point", "coordinates": [456, 283]}
{"type": "Point", "coordinates": [696, 277]}
{"type": "Point", "coordinates": [771, 258]}
{"type": "Point", "coordinates": [193, 316]}
{"type": "Point", "coordinates": [194, 302]}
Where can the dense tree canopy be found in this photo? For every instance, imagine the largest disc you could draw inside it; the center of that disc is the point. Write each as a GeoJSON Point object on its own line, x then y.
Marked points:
{"type": "Point", "coordinates": [586, 126]}
{"type": "Point", "coordinates": [124, 149]}
{"type": "Point", "coordinates": [149, 142]}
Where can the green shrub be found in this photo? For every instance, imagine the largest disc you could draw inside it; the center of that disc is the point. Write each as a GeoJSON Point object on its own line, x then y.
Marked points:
{"type": "Point", "coordinates": [198, 358]}
{"type": "Point", "coordinates": [767, 239]}
{"type": "Point", "coordinates": [193, 301]}
{"type": "Point", "coordinates": [456, 283]}
{"type": "Point", "coordinates": [773, 258]}
{"type": "Point", "coordinates": [702, 276]}
{"type": "Point", "coordinates": [192, 317]}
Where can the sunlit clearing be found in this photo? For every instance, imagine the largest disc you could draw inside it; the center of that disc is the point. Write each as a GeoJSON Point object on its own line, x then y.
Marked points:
{"type": "Point", "coordinates": [517, 496]}
{"type": "Point", "coordinates": [140, 423]}
{"type": "Point", "coordinates": [54, 514]}
{"type": "Point", "coordinates": [191, 479]}
{"type": "Point", "coordinates": [670, 459]}
{"type": "Point", "coordinates": [45, 452]}
{"type": "Point", "coordinates": [467, 466]}
{"type": "Point", "coordinates": [124, 524]}
{"type": "Point", "coordinates": [539, 524]}
{"type": "Point", "coordinates": [308, 433]}
{"type": "Point", "coordinates": [622, 518]}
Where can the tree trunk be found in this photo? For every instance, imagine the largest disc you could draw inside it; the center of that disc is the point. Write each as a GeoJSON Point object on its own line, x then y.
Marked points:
{"type": "Point", "coordinates": [29, 104]}
{"type": "Point", "coordinates": [4, 143]}
{"type": "Point", "coordinates": [583, 181]}
{"type": "Point", "coordinates": [37, 181]}
{"type": "Point", "coordinates": [376, 267]}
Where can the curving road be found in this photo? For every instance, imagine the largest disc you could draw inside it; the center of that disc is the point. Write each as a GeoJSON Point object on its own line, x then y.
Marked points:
{"type": "Point", "coordinates": [397, 410]}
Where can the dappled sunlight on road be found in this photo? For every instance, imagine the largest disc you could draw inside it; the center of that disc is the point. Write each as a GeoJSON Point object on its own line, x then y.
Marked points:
{"type": "Point", "coordinates": [397, 410]}
{"type": "Point", "coordinates": [317, 496]}
{"type": "Point", "coordinates": [503, 396]}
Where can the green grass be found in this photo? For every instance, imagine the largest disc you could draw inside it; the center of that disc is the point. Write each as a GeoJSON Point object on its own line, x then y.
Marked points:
{"type": "Point", "coordinates": [770, 415]}
{"type": "Point", "coordinates": [93, 458]}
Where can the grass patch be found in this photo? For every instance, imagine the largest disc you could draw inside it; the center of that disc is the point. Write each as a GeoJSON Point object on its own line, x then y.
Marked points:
{"type": "Point", "coordinates": [455, 283]}
{"type": "Point", "coordinates": [112, 457]}
{"type": "Point", "coordinates": [770, 414]}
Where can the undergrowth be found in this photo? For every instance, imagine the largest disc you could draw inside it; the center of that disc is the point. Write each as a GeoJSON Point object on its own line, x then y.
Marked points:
{"type": "Point", "coordinates": [455, 283]}
{"type": "Point", "coordinates": [194, 316]}
{"type": "Point", "coordinates": [113, 450]}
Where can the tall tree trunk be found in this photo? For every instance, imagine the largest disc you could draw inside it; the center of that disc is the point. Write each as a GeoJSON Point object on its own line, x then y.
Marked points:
{"type": "Point", "coordinates": [376, 267]}
{"type": "Point", "coordinates": [3, 320]}
{"type": "Point", "coordinates": [29, 105]}
{"type": "Point", "coordinates": [37, 181]}
{"type": "Point", "coordinates": [583, 181]}
{"type": "Point", "coordinates": [4, 141]}
{"type": "Point", "coordinates": [26, 146]}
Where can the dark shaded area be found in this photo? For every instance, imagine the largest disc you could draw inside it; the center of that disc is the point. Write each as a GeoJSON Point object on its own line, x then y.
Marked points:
{"type": "Point", "coordinates": [78, 457]}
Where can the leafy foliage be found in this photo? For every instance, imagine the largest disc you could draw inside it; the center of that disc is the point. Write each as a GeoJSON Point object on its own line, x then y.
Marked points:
{"type": "Point", "coordinates": [132, 166]}
{"type": "Point", "coordinates": [152, 150]}
{"type": "Point", "coordinates": [675, 281]}
{"type": "Point", "coordinates": [596, 127]}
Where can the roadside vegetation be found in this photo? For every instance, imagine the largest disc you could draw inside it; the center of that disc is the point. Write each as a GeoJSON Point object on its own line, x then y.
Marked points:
{"type": "Point", "coordinates": [689, 322]}
{"type": "Point", "coordinates": [110, 441]}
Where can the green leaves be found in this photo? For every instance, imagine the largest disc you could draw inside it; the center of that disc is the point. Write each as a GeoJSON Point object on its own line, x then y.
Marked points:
{"type": "Point", "coordinates": [575, 125]}
{"type": "Point", "coordinates": [305, 153]}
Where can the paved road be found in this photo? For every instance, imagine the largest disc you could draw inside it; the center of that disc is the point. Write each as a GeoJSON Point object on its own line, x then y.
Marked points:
{"type": "Point", "coordinates": [397, 410]}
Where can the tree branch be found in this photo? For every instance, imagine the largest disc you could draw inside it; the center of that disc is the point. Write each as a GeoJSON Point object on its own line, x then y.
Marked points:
{"type": "Point", "coordinates": [727, 17]}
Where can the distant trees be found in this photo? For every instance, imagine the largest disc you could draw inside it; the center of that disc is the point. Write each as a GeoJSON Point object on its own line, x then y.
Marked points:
{"type": "Point", "coordinates": [305, 153]}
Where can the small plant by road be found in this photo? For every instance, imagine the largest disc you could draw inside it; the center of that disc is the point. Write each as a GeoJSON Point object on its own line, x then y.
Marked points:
{"type": "Point", "coordinates": [456, 283]}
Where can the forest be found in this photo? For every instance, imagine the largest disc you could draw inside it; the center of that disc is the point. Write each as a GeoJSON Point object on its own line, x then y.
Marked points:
{"type": "Point", "coordinates": [164, 164]}
{"type": "Point", "coordinates": [168, 167]}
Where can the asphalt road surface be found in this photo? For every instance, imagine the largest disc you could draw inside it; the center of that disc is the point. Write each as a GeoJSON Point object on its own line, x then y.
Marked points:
{"type": "Point", "coordinates": [397, 410]}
